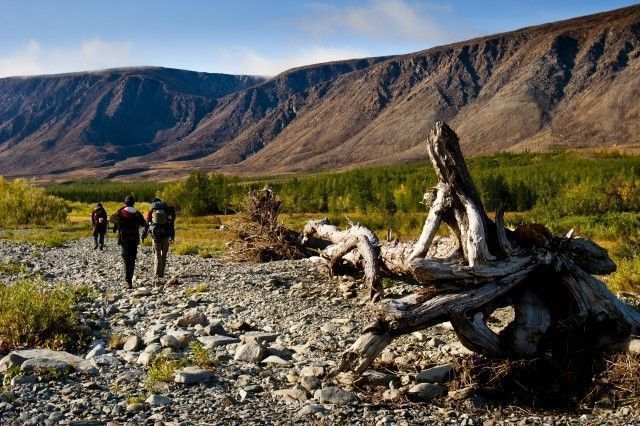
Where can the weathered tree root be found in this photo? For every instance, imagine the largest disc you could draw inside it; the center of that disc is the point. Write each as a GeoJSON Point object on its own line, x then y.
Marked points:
{"type": "Point", "coordinates": [560, 308]}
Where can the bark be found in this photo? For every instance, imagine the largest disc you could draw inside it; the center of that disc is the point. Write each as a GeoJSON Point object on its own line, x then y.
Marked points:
{"type": "Point", "coordinates": [482, 266]}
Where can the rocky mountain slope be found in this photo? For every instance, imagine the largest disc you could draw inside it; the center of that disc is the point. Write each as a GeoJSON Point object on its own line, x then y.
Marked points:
{"type": "Point", "coordinates": [569, 84]}
{"type": "Point", "coordinates": [53, 124]}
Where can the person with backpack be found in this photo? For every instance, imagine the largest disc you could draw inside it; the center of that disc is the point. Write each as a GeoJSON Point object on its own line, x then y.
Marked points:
{"type": "Point", "coordinates": [99, 222]}
{"type": "Point", "coordinates": [160, 222]}
{"type": "Point", "coordinates": [127, 223]}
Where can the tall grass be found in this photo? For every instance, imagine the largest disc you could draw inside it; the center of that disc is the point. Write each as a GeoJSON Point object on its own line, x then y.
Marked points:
{"type": "Point", "coordinates": [22, 203]}
{"type": "Point", "coordinates": [33, 315]}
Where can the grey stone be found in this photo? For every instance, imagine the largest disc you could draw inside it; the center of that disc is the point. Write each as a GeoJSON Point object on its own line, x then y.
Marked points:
{"type": "Point", "coordinates": [312, 370]}
{"type": "Point", "coordinates": [214, 328]}
{"type": "Point", "coordinates": [217, 340]}
{"type": "Point", "coordinates": [291, 395]}
{"type": "Point", "coordinates": [275, 360]}
{"type": "Point", "coordinates": [334, 395]}
{"type": "Point", "coordinates": [169, 341]}
{"type": "Point", "coordinates": [310, 382]}
{"type": "Point", "coordinates": [159, 400]}
{"type": "Point", "coordinates": [191, 319]}
{"type": "Point", "coordinates": [11, 360]}
{"type": "Point", "coordinates": [133, 343]}
{"type": "Point", "coordinates": [24, 380]}
{"type": "Point", "coordinates": [426, 392]}
{"type": "Point", "coordinates": [97, 350]}
{"type": "Point", "coordinates": [192, 375]}
{"type": "Point", "coordinates": [66, 357]}
{"type": "Point", "coordinates": [437, 374]}
{"type": "Point", "coordinates": [258, 337]}
{"type": "Point", "coordinates": [35, 365]}
{"type": "Point", "coordinates": [391, 394]}
{"type": "Point", "coordinates": [310, 410]}
{"type": "Point", "coordinates": [145, 358]}
{"type": "Point", "coordinates": [250, 352]}
{"type": "Point", "coordinates": [105, 360]}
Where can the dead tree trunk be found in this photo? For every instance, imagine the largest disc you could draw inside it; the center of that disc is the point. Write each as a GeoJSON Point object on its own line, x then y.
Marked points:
{"type": "Point", "coordinates": [483, 266]}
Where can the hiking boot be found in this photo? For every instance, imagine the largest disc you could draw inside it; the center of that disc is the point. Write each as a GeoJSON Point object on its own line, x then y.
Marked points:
{"type": "Point", "coordinates": [101, 247]}
{"type": "Point", "coordinates": [127, 286]}
{"type": "Point", "coordinates": [95, 247]}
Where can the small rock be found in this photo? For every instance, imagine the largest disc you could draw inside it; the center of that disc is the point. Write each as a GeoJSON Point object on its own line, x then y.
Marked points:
{"type": "Point", "coordinates": [310, 382]}
{"type": "Point", "coordinates": [105, 360]}
{"type": "Point", "coordinates": [214, 328]}
{"type": "Point", "coordinates": [169, 341]}
{"type": "Point", "coordinates": [437, 374]}
{"type": "Point", "coordinates": [313, 370]}
{"type": "Point", "coordinates": [192, 375]}
{"type": "Point", "coordinates": [159, 400]}
{"type": "Point", "coordinates": [133, 343]}
{"type": "Point", "coordinates": [250, 352]}
{"type": "Point", "coordinates": [11, 360]}
{"type": "Point", "coordinates": [258, 337]}
{"type": "Point", "coordinates": [275, 360]}
{"type": "Point", "coordinates": [291, 395]}
{"type": "Point", "coordinates": [334, 395]}
{"type": "Point", "coordinates": [24, 380]}
{"type": "Point", "coordinates": [97, 350]}
{"type": "Point", "coordinates": [210, 342]}
{"type": "Point", "coordinates": [35, 365]}
{"type": "Point", "coordinates": [311, 409]}
{"type": "Point", "coordinates": [391, 395]}
{"type": "Point", "coordinates": [192, 318]}
{"type": "Point", "coordinates": [426, 392]}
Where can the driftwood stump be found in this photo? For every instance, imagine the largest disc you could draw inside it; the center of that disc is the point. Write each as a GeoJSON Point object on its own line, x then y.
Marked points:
{"type": "Point", "coordinates": [560, 307]}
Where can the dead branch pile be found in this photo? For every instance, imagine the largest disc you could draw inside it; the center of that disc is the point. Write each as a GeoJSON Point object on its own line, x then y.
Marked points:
{"type": "Point", "coordinates": [259, 237]}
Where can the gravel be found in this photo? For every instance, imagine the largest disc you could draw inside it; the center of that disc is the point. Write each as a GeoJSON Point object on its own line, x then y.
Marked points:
{"type": "Point", "coordinates": [276, 330]}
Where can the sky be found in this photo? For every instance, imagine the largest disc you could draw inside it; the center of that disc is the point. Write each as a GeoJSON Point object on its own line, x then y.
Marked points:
{"type": "Point", "coordinates": [250, 36]}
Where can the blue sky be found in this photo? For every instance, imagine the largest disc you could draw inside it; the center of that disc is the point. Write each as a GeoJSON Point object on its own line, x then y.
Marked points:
{"type": "Point", "coordinates": [249, 37]}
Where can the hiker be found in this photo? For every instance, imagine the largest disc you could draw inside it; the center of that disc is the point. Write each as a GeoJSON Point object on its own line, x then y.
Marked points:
{"type": "Point", "coordinates": [99, 221]}
{"type": "Point", "coordinates": [127, 222]}
{"type": "Point", "coordinates": [160, 222]}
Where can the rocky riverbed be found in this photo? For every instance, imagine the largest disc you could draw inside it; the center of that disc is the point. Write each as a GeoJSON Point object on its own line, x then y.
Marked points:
{"type": "Point", "coordinates": [276, 330]}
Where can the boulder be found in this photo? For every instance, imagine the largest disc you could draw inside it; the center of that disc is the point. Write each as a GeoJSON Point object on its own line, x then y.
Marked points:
{"type": "Point", "coordinates": [250, 352]}
{"type": "Point", "coordinates": [334, 395]}
{"type": "Point", "coordinates": [192, 375]}
{"type": "Point", "coordinates": [438, 374]}
{"type": "Point", "coordinates": [192, 318]}
{"type": "Point", "coordinates": [133, 343]}
{"type": "Point", "coordinates": [423, 392]}
{"type": "Point", "coordinates": [217, 340]}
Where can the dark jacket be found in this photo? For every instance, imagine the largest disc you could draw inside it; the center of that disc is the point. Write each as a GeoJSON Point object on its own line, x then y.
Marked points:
{"type": "Point", "coordinates": [99, 219]}
{"type": "Point", "coordinates": [127, 223]}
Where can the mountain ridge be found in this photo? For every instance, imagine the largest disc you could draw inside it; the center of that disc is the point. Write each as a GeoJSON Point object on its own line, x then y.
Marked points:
{"type": "Point", "coordinates": [568, 84]}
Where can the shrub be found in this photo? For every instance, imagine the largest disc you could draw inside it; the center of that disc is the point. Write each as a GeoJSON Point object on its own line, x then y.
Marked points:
{"type": "Point", "coordinates": [32, 315]}
{"type": "Point", "coordinates": [626, 277]}
{"type": "Point", "coordinates": [22, 203]}
{"type": "Point", "coordinates": [201, 356]}
{"type": "Point", "coordinates": [199, 288]}
{"type": "Point", "coordinates": [163, 368]}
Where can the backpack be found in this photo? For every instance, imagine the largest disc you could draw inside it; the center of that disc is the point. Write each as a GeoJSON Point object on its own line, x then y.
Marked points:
{"type": "Point", "coordinates": [160, 218]}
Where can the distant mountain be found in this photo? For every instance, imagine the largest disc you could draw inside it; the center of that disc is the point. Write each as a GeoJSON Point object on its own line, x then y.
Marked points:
{"type": "Point", "coordinates": [569, 84]}
{"type": "Point", "coordinates": [69, 122]}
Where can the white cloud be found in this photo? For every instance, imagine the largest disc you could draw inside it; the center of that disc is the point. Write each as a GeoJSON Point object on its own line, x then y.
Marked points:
{"type": "Point", "coordinates": [382, 19]}
{"type": "Point", "coordinates": [247, 61]}
{"type": "Point", "coordinates": [91, 54]}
